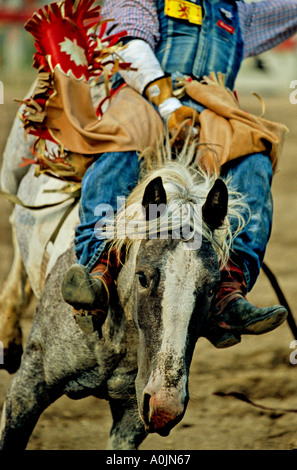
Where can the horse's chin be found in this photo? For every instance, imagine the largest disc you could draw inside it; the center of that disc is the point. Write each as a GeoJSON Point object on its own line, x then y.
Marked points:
{"type": "Point", "coordinates": [163, 430]}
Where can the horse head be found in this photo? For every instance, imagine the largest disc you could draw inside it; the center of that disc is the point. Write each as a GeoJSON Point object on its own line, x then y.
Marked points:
{"type": "Point", "coordinates": [172, 284]}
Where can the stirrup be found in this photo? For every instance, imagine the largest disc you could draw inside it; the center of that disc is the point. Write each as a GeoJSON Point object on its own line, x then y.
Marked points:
{"type": "Point", "coordinates": [90, 321]}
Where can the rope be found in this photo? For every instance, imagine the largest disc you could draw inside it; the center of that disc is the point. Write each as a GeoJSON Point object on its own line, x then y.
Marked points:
{"type": "Point", "coordinates": [281, 298]}
{"type": "Point", "coordinates": [243, 397]}
{"type": "Point", "coordinates": [16, 200]}
{"type": "Point", "coordinates": [291, 321]}
{"type": "Point", "coordinates": [75, 197]}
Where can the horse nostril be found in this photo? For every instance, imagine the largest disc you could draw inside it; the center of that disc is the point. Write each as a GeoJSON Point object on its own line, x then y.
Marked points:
{"type": "Point", "coordinates": [146, 408]}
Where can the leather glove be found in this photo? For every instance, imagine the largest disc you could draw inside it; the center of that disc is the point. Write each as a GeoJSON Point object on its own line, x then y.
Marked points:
{"type": "Point", "coordinates": [181, 120]}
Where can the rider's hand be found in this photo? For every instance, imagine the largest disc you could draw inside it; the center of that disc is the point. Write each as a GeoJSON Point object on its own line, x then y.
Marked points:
{"type": "Point", "coordinates": [180, 119]}
{"type": "Point", "coordinates": [181, 122]}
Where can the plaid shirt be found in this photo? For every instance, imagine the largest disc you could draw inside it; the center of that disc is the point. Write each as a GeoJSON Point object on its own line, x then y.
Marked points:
{"type": "Point", "coordinates": [264, 24]}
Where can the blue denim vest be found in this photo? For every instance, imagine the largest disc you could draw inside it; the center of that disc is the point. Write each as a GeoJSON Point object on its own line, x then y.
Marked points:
{"type": "Point", "coordinates": [215, 46]}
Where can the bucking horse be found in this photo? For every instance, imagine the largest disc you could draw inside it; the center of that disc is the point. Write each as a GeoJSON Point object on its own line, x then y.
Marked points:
{"type": "Point", "coordinates": [141, 359]}
{"type": "Point", "coordinates": [164, 289]}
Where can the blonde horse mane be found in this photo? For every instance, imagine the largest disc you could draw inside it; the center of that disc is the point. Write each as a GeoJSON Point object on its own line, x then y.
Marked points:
{"type": "Point", "coordinates": [186, 185]}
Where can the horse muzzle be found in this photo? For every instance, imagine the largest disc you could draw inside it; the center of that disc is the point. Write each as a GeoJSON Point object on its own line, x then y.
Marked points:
{"type": "Point", "coordinates": [162, 410]}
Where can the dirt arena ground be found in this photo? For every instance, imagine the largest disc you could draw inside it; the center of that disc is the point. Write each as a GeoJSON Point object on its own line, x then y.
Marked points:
{"type": "Point", "coordinates": [259, 367]}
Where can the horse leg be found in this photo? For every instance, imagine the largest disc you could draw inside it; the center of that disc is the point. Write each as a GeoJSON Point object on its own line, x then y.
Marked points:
{"type": "Point", "coordinates": [15, 296]}
{"type": "Point", "coordinates": [27, 397]}
{"type": "Point", "coordinates": [127, 431]}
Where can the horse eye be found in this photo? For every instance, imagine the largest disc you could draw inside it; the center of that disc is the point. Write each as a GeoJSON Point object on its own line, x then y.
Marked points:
{"type": "Point", "coordinates": [142, 279]}
{"type": "Point", "coordinates": [212, 292]}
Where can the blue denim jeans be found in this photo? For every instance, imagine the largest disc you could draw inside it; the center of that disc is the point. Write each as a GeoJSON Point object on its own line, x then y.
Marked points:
{"type": "Point", "coordinates": [111, 175]}
{"type": "Point", "coordinates": [252, 176]}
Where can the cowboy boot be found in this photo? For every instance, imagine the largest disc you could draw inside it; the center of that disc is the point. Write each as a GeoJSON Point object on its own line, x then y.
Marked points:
{"type": "Point", "coordinates": [233, 315]}
{"type": "Point", "coordinates": [89, 292]}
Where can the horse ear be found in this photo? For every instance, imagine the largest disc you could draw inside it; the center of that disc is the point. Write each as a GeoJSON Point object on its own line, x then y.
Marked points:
{"type": "Point", "coordinates": [154, 194]}
{"type": "Point", "coordinates": [215, 208]}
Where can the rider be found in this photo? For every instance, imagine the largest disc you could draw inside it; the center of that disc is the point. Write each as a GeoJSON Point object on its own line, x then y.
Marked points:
{"type": "Point", "coordinates": [167, 39]}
